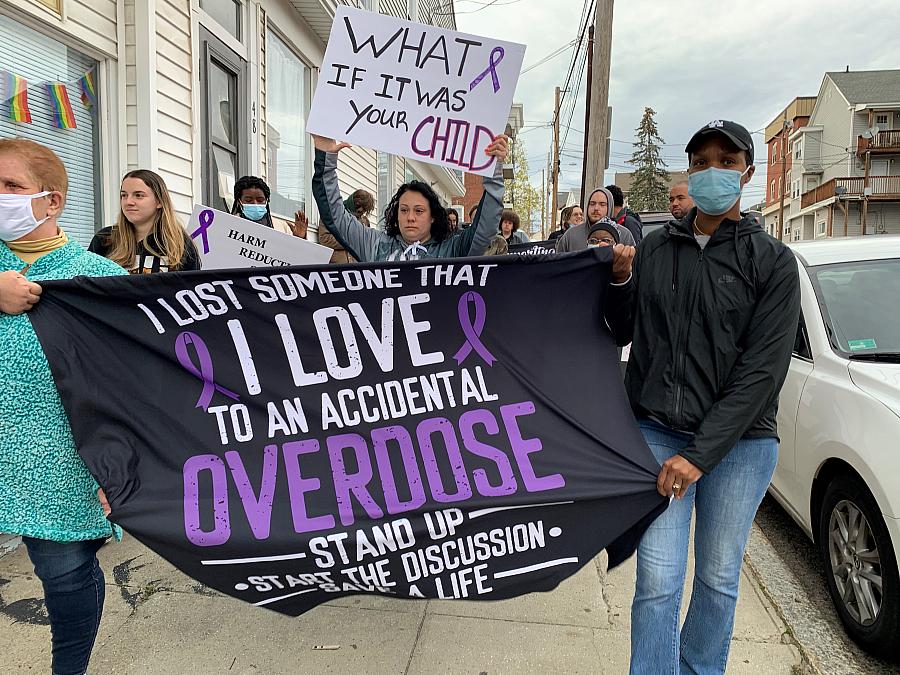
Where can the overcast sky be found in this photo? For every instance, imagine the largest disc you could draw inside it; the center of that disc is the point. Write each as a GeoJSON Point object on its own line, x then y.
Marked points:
{"type": "Point", "coordinates": [692, 61]}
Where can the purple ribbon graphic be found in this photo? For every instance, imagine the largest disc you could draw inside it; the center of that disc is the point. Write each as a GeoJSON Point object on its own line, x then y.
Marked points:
{"type": "Point", "coordinates": [492, 69]}
{"type": "Point", "coordinates": [206, 219]}
{"type": "Point", "coordinates": [204, 372]}
{"type": "Point", "coordinates": [472, 331]}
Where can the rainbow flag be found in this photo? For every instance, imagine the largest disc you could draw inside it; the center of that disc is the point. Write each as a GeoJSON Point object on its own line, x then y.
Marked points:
{"type": "Point", "coordinates": [88, 90]}
{"type": "Point", "coordinates": [16, 92]}
{"type": "Point", "coordinates": [63, 115]}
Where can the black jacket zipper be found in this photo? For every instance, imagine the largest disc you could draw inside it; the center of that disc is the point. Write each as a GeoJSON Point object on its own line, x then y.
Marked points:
{"type": "Point", "coordinates": [680, 347]}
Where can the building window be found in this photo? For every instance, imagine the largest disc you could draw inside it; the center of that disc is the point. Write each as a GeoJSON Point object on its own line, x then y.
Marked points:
{"type": "Point", "coordinates": [797, 234]}
{"type": "Point", "coordinates": [227, 13]}
{"type": "Point", "coordinates": [287, 105]}
{"type": "Point", "coordinates": [881, 121]}
{"type": "Point", "coordinates": [797, 146]}
{"type": "Point", "coordinates": [774, 153]}
{"type": "Point", "coordinates": [821, 229]}
{"type": "Point", "coordinates": [410, 174]}
{"type": "Point", "coordinates": [774, 196]}
{"type": "Point", "coordinates": [41, 60]}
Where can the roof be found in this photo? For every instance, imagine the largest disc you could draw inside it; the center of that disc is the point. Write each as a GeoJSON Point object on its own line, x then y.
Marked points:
{"type": "Point", "coordinates": [802, 106]}
{"type": "Point", "coordinates": [868, 86]}
{"type": "Point", "coordinates": [847, 249]}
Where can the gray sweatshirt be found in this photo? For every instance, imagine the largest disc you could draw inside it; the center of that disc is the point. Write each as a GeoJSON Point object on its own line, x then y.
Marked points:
{"type": "Point", "coordinates": [369, 245]}
{"type": "Point", "coordinates": [575, 238]}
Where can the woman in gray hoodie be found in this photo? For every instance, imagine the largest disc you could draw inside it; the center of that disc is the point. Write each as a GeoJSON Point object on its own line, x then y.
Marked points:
{"type": "Point", "coordinates": [415, 222]}
{"type": "Point", "coordinates": [598, 206]}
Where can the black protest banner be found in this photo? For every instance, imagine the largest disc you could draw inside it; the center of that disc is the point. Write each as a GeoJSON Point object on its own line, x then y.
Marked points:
{"type": "Point", "coordinates": [534, 248]}
{"type": "Point", "coordinates": [289, 436]}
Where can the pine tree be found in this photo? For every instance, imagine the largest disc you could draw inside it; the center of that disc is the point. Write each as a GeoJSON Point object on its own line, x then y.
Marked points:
{"type": "Point", "coordinates": [650, 180]}
{"type": "Point", "coordinates": [523, 196]}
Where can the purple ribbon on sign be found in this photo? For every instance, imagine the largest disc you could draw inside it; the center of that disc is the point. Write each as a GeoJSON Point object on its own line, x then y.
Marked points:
{"type": "Point", "coordinates": [206, 218]}
{"type": "Point", "coordinates": [473, 331]}
{"type": "Point", "coordinates": [204, 372]}
{"type": "Point", "coordinates": [491, 69]}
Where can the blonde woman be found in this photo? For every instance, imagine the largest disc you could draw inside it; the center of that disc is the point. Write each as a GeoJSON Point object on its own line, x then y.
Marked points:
{"type": "Point", "coordinates": [148, 236]}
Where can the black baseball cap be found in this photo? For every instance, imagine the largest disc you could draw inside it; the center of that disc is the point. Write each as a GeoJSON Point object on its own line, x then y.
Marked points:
{"type": "Point", "coordinates": [604, 225]}
{"type": "Point", "coordinates": [733, 131]}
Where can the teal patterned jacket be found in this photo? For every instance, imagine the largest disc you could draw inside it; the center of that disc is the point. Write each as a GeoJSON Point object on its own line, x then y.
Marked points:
{"type": "Point", "coordinates": [46, 491]}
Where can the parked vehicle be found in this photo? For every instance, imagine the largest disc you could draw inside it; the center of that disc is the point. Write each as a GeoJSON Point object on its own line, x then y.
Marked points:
{"type": "Point", "coordinates": [838, 471]}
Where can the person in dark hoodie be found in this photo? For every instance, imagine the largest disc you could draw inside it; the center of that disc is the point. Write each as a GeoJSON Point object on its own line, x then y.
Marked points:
{"type": "Point", "coordinates": [710, 304]}
{"type": "Point", "coordinates": [598, 206]}
{"type": "Point", "coordinates": [624, 216]}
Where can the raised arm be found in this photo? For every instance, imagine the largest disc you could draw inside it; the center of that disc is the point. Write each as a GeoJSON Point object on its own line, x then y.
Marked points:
{"type": "Point", "coordinates": [355, 237]}
{"type": "Point", "coordinates": [475, 239]}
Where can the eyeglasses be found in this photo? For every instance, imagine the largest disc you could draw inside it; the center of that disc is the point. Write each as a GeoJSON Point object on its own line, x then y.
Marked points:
{"type": "Point", "coordinates": [595, 241]}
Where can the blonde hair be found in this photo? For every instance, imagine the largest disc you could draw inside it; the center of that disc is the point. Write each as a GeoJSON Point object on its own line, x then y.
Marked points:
{"type": "Point", "coordinates": [167, 232]}
{"type": "Point", "coordinates": [44, 165]}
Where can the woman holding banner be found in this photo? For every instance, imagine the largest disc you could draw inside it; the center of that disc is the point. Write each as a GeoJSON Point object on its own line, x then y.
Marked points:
{"type": "Point", "coordinates": [148, 236]}
{"type": "Point", "coordinates": [46, 492]}
{"type": "Point", "coordinates": [416, 224]}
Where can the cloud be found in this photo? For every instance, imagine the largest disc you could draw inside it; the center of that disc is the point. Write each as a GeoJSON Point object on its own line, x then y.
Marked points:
{"type": "Point", "coordinates": [692, 61]}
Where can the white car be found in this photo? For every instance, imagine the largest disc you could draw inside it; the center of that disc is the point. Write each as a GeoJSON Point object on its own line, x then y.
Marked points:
{"type": "Point", "coordinates": [838, 471]}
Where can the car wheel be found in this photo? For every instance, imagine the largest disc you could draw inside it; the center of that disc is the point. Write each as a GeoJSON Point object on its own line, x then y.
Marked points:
{"type": "Point", "coordinates": [860, 566]}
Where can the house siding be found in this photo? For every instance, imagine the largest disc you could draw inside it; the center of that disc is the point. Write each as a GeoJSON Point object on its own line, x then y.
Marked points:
{"type": "Point", "coordinates": [831, 114]}
{"type": "Point", "coordinates": [174, 66]}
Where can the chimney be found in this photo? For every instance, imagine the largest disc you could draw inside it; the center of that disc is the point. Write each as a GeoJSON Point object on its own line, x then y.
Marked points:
{"type": "Point", "coordinates": [847, 69]}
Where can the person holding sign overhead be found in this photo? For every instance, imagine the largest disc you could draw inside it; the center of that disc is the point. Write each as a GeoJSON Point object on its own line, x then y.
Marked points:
{"type": "Point", "coordinates": [251, 201]}
{"type": "Point", "coordinates": [148, 236]}
{"type": "Point", "coordinates": [416, 224]}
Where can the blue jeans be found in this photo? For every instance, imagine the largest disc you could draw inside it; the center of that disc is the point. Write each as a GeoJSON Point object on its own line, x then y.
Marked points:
{"type": "Point", "coordinates": [726, 500]}
{"type": "Point", "coordinates": [74, 591]}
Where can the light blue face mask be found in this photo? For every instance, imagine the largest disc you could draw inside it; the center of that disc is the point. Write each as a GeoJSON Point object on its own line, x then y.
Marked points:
{"type": "Point", "coordinates": [715, 191]}
{"type": "Point", "coordinates": [254, 211]}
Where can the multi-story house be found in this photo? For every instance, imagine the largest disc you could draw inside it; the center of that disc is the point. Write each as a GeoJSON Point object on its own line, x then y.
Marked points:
{"type": "Point", "coordinates": [779, 164]}
{"type": "Point", "coordinates": [845, 176]}
{"type": "Point", "coordinates": [201, 91]}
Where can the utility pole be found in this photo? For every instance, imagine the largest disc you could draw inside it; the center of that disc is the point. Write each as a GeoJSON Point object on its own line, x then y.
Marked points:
{"type": "Point", "coordinates": [554, 171]}
{"type": "Point", "coordinates": [543, 205]}
{"type": "Point", "coordinates": [597, 129]}
{"type": "Point", "coordinates": [587, 110]}
{"type": "Point", "coordinates": [865, 206]}
{"type": "Point", "coordinates": [782, 186]}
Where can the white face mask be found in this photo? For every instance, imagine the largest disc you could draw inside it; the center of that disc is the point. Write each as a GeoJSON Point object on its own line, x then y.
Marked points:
{"type": "Point", "coordinates": [16, 217]}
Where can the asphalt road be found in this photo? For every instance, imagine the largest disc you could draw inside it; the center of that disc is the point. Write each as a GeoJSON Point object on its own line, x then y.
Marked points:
{"type": "Point", "coordinates": [788, 566]}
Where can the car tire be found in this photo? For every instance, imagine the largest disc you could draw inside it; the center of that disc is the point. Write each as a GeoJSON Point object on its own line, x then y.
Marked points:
{"type": "Point", "coordinates": [853, 564]}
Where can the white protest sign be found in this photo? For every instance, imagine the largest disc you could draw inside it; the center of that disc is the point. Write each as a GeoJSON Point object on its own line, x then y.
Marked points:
{"type": "Point", "coordinates": [418, 91]}
{"type": "Point", "coordinates": [225, 241]}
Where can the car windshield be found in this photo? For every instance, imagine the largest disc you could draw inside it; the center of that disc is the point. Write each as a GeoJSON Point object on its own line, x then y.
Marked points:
{"type": "Point", "coordinates": [859, 302]}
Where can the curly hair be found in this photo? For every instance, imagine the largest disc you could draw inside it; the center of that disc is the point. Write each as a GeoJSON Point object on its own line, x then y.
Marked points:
{"type": "Point", "coordinates": [363, 201]}
{"type": "Point", "coordinates": [440, 228]}
{"type": "Point", "coordinates": [511, 216]}
{"type": "Point", "coordinates": [248, 183]}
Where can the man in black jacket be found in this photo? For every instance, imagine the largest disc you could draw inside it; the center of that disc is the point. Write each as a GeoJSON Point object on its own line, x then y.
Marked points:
{"type": "Point", "coordinates": [624, 216]}
{"type": "Point", "coordinates": [710, 304]}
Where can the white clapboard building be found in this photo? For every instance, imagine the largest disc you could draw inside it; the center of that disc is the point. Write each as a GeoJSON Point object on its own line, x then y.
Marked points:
{"type": "Point", "coordinates": [201, 91]}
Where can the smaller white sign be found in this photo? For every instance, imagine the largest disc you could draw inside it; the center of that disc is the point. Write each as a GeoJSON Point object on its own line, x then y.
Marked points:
{"type": "Point", "coordinates": [225, 241]}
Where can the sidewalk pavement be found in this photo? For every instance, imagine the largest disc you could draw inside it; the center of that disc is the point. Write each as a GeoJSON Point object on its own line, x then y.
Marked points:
{"type": "Point", "coordinates": [158, 621]}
